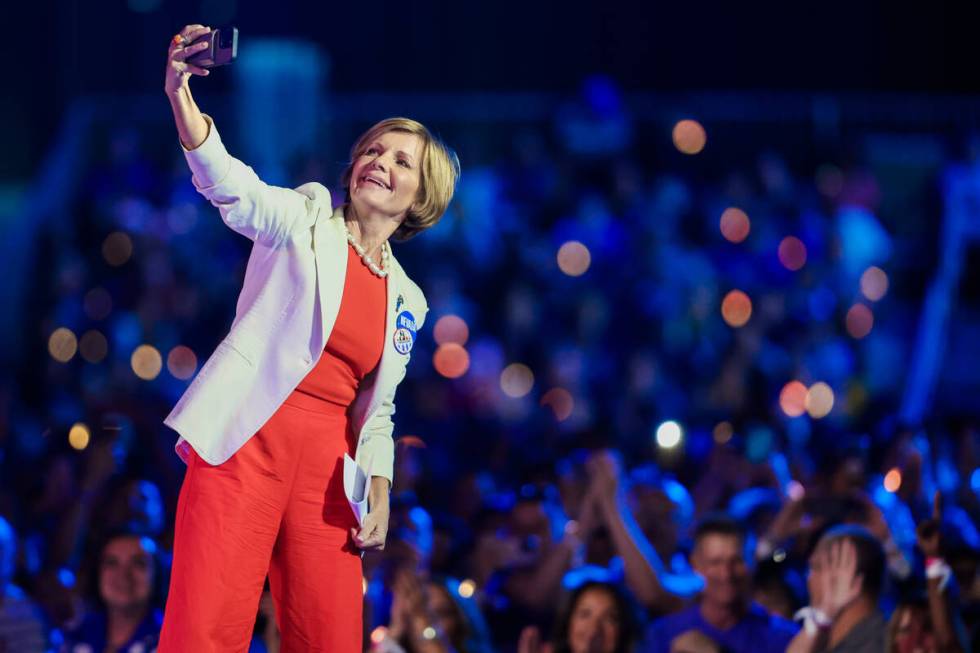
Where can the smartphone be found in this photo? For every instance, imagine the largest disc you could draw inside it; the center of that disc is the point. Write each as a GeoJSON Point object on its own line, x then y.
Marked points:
{"type": "Point", "coordinates": [222, 48]}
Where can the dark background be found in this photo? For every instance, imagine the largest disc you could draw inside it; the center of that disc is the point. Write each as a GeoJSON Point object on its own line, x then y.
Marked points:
{"type": "Point", "coordinates": [56, 51]}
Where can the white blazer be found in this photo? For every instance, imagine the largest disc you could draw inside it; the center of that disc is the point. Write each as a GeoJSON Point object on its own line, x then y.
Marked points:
{"type": "Point", "coordinates": [286, 310]}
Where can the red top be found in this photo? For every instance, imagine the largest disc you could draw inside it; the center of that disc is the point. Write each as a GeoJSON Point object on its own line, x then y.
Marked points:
{"type": "Point", "coordinates": [357, 340]}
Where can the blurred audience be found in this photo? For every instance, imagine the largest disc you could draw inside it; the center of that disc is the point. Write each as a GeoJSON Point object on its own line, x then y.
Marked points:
{"type": "Point", "coordinates": [591, 396]}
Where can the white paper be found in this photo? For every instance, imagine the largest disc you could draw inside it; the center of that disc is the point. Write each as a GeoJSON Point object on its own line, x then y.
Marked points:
{"type": "Point", "coordinates": [356, 488]}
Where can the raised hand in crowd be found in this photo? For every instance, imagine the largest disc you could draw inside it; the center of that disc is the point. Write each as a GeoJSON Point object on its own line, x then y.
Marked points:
{"type": "Point", "coordinates": [531, 642]}
{"type": "Point", "coordinates": [413, 623]}
{"type": "Point", "coordinates": [643, 567]}
{"type": "Point", "coordinates": [940, 621]}
{"type": "Point", "coordinates": [840, 583]}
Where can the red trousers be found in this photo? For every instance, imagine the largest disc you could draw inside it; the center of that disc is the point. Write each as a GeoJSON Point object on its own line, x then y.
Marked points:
{"type": "Point", "coordinates": [276, 507]}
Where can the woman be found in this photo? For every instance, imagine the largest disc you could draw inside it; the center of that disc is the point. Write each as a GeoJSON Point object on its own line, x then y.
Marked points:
{"type": "Point", "coordinates": [596, 618]}
{"type": "Point", "coordinates": [325, 323]}
{"type": "Point", "coordinates": [128, 578]}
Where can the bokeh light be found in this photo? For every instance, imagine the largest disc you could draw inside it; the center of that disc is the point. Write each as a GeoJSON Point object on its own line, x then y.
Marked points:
{"type": "Point", "coordinates": [516, 380]}
{"type": "Point", "coordinates": [792, 399]}
{"type": "Point", "coordinates": [792, 253]}
{"type": "Point", "coordinates": [819, 400]}
{"type": "Point", "coordinates": [669, 434]}
{"type": "Point", "coordinates": [182, 362]}
{"type": "Point", "coordinates": [574, 258]}
{"type": "Point", "coordinates": [467, 588]}
{"type": "Point", "coordinates": [451, 360]}
{"type": "Point", "coordinates": [736, 309]}
{"type": "Point", "coordinates": [735, 225]}
{"type": "Point", "coordinates": [723, 432]}
{"type": "Point", "coordinates": [79, 436]}
{"type": "Point", "coordinates": [62, 345]}
{"type": "Point", "coordinates": [451, 328]}
{"type": "Point", "coordinates": [97, 304]}
{"type": "Point", "coordinates": [874, 283]}
{"type": "Point", "coordinates": [378, 634]}
{"type": "Point", "coordinates": [893, 480]}
{"type": "Point", "coordinates": [795, 490]}
{"type": "Point", "coordinates": [93, 346]}
{"type": "Point", "coordinates": [859, 321]}
{"type": "Point", "coordinates": [146, 362]}
{"type": "Point", "coordinates": [560, 401]}
{"type": "Point", "coordinates": [689, 136]}
{"type": "Point", "coordinates": [117, 248]}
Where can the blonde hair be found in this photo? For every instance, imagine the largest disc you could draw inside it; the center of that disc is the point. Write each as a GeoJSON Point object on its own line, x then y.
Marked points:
{"type": "Point", "coordinates": [438, 173]}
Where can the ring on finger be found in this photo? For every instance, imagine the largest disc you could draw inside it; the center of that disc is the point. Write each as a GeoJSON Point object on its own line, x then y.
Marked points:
{"type": "Point", "coordinates": [178, 40]}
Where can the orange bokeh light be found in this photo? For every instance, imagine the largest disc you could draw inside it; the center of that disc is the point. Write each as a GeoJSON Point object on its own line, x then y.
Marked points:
{"type": "Point", "coordinates": [792, 253]}
{"type": "Point", "coordinates": [792, 399]}
{"type": "Point", "coordinates": [451, 328]}
{"type": "Point", "coordinates": [736, 308]}
{"type": "Point", "coordinates": [893, 480]}
{"type": "Point", "coordinates": [574, 258]}
{"type": "Point", "coordinates": [689, 136]}
{"type": "Point", "coordinates": [451, 360]}
{"type": "Point", "coordinates": [182, 362]}
{"type": "Point", "coordinates": [735, 225]}
{"type": "Point", "coordinates": [859, 321]}
{"type": "Point", "coordinates": [560, 401]}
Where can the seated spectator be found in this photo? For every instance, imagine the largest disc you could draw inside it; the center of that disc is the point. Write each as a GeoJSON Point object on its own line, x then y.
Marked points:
{"type": "Point", "coordinates": [21, 628]}
{"type": "Point", "coordinates": [723, 612]}
{"type": "Point", "coordinates": [847, 570]}
{"type": "Point", "coordinates": [596, 618]}
{"type": "Point", "coordinates": [128, 617]}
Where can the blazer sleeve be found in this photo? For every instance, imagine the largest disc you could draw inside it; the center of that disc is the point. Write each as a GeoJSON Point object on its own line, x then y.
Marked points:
{"type": "Point", "coordinates": [379, 445]}
{"type": "Point", "coordinates": [258, 211]}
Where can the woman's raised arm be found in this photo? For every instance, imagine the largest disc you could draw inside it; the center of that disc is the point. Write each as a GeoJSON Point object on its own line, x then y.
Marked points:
{"type": "Point", "coordinates": [258, 211]}
{"type": "Point", "coordinates": [191, 126]}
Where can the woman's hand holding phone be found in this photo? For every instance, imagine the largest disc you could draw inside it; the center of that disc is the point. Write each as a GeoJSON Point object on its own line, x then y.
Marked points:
{"type": "Point", "coordinates": [184, 45]}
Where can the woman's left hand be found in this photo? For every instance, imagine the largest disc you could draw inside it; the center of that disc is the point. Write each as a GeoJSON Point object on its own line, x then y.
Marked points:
{"type": "Point", "coordinates": [374, 528]}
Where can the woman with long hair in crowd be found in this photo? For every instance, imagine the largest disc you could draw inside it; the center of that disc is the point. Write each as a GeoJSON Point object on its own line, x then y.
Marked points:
{"type": "Point", "coordinates": [324, 327]}
{"type": "Point", "coordinates": [596, 617]}
{"type": "Point", "coordinates": [127, 615]}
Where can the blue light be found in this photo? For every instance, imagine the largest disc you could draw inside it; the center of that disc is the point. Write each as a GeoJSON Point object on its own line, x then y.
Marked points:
{"type": "Point", "coordinates": [975, 480]}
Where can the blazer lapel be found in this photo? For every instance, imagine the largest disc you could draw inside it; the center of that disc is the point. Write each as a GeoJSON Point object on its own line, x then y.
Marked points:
{"type": "Point", "coordinates": [388, 352]}
{"type": "Point", "coordinates": [330, 252]}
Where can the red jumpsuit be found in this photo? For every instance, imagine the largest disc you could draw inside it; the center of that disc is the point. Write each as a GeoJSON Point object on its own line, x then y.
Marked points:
{"type": "Point", "coordinates": [278, 506]}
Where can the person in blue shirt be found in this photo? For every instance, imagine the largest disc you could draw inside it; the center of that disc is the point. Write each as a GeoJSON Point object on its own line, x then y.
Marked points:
{"type": "Point", "coordinates": [723, 616]}
{"type": "Point", "coordinates": [128, 616]}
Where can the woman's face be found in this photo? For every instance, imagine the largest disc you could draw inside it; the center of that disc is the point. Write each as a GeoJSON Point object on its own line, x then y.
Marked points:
{"type": "Point", "coordinates": [126, 573]}
{"type": "Point", "coordinates": [386, 176]}
{"type": "Point", "coordinates": [594, 625]}
{"type": "Point", "coordinates": [911, 631]}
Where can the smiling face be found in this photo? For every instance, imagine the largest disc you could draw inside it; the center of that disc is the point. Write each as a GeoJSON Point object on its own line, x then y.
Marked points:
{"type": "Point", "coordinates": [594, 624]}
{"type": "Point", "coordinates": [718, 559]}
{"type": "Point", "coordinates": [126, 573]}
{"type": "Point", "coordinates": [386, 175]}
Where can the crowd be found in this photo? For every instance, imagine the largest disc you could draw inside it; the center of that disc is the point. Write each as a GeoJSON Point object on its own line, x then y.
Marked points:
{"type": "Point", "coordinates": [537, 507]}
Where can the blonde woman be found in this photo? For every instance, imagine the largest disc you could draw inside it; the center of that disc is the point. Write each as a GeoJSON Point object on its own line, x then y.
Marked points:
{"type": "Point", "coordinates": [324, 327]}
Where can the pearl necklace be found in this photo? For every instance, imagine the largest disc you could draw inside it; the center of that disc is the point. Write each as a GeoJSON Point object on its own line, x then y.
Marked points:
{"type": "Point", "coordinates": [378, 270]}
